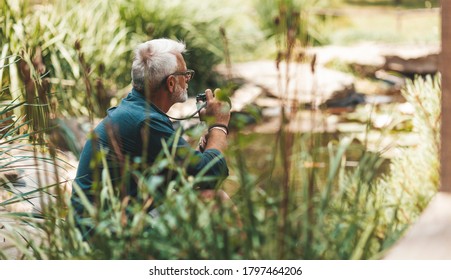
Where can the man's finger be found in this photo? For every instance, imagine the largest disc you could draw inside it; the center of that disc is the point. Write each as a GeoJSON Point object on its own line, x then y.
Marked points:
{"type": "Point", "coordinates": [209, 94]}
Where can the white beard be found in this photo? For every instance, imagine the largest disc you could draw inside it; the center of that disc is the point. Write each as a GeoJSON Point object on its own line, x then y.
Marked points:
{"type": "Point", "coordinates": [180, 95]}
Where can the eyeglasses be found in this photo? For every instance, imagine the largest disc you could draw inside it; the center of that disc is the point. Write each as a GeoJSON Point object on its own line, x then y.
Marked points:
{"type": "Point", "coordinates": [189, 74]}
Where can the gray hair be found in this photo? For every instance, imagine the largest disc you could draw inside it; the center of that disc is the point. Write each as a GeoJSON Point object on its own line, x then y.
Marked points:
{"type": "Point", "coordinates": [154, 60]}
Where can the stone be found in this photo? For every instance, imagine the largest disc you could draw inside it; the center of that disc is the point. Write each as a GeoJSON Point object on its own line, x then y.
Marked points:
{"type": "Point", "coordinates": [422, 65]}
{"type": "Point", "coordinates": [25, 175]}
{"type": "Point", "coordinates": [293, 81]}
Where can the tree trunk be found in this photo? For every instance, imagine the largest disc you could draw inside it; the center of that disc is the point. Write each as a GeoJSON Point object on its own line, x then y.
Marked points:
{"type": "Point", "coordinates": [445, 157]}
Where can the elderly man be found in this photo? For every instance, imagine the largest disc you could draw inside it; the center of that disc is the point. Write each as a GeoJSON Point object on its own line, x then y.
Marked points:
{"type": "Point", "coordinates": [135, 131]}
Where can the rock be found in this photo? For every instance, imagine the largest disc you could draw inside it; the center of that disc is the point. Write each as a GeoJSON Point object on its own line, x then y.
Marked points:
{"type": "Point", "coordinates": [411, 60]}
{"type": "Point", "coordinates": [379, 99]}
{"type": "Point", "coordinates": [245, 95]}
{"type": "Point", "coordinates": [347, 97]}
{"type": "Point", "coordinates": [365, 54]}
{"type": "Point", "coordinates": [271, 107]}
{"type": "Point", "coordinates": [378, 55]}
{"type": "Point", "coordinates": [422, 65]}
{"type": "Point", "coordinates": [393, 80]}
{"type": "Point", "coordinates": [268, 102]}
{"type": "Point", "coordinates": [295, 81]}
{"type": "Point", "coordinates": [24, 175]}
{"type": "Point", "coordinates": [381, 121]}
{"type": "Point", "coordinates": [367, 58]}
{"type": "Point", "coordinates": [32, 171]}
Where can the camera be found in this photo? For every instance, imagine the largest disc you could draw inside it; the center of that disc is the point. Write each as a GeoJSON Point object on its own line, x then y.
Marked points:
{"type": "Point", "coordinates": [201, 97]}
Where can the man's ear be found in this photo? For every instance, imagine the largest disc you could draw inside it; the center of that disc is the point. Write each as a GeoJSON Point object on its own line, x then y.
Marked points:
{"type": "Point", "coordinates": [170, 83]}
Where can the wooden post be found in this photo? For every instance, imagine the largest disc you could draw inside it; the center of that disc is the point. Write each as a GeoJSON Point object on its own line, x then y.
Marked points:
{"type": "Point", "coordinates": [445, 69]}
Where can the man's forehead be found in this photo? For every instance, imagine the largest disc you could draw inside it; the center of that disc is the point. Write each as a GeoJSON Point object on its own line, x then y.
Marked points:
{"type": "Point", "coordinates": [180, 59]}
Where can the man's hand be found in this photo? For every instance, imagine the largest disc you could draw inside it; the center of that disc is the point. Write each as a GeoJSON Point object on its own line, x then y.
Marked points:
{"type": "Point", "coordinates": [217, 111]}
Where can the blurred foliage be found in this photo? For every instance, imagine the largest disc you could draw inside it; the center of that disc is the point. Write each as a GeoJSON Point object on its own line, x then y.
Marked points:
{"type": "Point", "coordinates": [198, 24]}
{"type": "Point", "coordinates": [425, 95]}
{"type": "Point", "coordinates": [86, 46]}
{"type": "Point", "coordinates": [293, 19]}
{"type": "Point", "coordinates": [304, 197]}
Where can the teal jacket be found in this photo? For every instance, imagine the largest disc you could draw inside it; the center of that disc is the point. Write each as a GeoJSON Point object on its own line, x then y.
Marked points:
{"type": "Point", "coordinates": [120, 135]}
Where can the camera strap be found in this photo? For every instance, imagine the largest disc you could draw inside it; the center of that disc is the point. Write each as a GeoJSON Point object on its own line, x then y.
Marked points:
{"type": "Point", "coordinates": [199, 107]}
